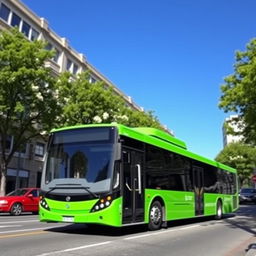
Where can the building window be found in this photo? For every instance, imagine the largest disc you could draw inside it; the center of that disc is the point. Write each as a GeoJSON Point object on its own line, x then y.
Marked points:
{"type": "Point", "coordinates": [4, 12]}
{"type": "Point", "coordinates": [92, 80]}
{"type": "Point", "coordinates": [15, 20]}
{"type": "Point", "coordinates": [48, 46]}
{"type": "Point", "coordinates": [75, 69]}
{"type": "Point", "coordinates": [56, 55]}
{"type": "Point", "coordinates": [22, 149]}
{"type": "Point", "coordinates": [34, 35]}
{"type": "Point", "coordinates": [8, 144]}
{"type": "Point", "coordinates": [39, 149]}
{"type": "Point", "coordinates": [25, 28]}
{"type": "Point", "coordinates": [69, 65]}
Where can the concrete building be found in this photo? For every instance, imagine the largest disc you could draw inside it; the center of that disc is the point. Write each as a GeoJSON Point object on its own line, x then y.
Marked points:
{"type": "Point", "coordinates": [231, 122]}
{"type": "Point", "coordinates": [26, 166]}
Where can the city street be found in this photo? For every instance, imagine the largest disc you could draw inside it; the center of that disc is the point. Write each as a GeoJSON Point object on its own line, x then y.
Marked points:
{"type": "Point", "coordinates": [24, 235]}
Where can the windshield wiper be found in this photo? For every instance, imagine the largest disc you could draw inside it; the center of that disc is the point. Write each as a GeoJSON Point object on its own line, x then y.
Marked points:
{"type": "Point", "coordinates": [87, 189]}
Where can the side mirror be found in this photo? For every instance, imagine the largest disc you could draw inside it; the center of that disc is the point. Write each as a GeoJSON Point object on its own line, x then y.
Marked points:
{"type": "Point", "coordinates": [30, 196]}
{"type": "Point", "coordinates": [118, 151]}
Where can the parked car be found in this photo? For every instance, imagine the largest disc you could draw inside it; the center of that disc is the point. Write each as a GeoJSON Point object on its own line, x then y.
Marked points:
{"type": "Point", "coordinates": [20, 200]}
{"type": "Point", "coordinates": [247, 195]}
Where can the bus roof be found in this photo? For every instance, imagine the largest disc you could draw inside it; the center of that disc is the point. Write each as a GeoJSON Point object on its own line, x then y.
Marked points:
{"type": "Point", "coordinates": [154, 137]}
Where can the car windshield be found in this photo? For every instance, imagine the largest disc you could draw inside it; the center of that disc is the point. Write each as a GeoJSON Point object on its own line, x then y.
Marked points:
{"type": "Point", "coordinates": [79, 154]}
{"type": "Point", "coordinates": [18, 192]}
{"type": "Point", "coordinates": [248, 190]}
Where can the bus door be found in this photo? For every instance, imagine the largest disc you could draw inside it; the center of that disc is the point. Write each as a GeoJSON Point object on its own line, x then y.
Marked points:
{"type": "Point", "coordinates": [198, 184]}
{"type": "Point", "coordinates": [133, 188]}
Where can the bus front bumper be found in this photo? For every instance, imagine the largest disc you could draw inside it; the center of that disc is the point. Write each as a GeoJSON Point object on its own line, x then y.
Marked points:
{"type": "Point", "coordinates": [111, 215]}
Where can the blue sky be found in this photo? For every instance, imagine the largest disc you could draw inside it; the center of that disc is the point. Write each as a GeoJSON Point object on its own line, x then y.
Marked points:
{"type": "Point", "coordinates": [170, 56]}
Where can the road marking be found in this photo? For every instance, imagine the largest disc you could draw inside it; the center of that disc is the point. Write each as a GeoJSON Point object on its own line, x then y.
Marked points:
{"type": "Point", "coordinates": [193, 226]}
{"type": "Point", "coordinates": [161, 232]}
{"type": "Point", "coordinates": [74, 249]}
{"type": "Point", "coordinates": [29, 229]}
{"type": "Point", "coordinates": [10, 226]}
{"type": "Point", "coordinates": [24, 234]}
{"type": "Point", "coordinates": [135, 237]}
{"type": "Point", "coordinates": [21, 221]}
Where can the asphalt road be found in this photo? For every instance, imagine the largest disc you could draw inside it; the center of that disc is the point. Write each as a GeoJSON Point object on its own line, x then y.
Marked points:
{"type": "Point", "coordinates": [24, 235]}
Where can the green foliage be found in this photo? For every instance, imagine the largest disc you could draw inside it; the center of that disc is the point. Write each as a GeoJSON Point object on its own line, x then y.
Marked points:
{"type": "Point", "coordinates": [241, 157]}
{"type": "Point", "coordinates": [239, 91]}
{"type": "Point", "coordinates": [142, 119]}
{"type": "Point", "coordinates": [83, 103]}
{"type": "Point", "coordinates": [27, 102]}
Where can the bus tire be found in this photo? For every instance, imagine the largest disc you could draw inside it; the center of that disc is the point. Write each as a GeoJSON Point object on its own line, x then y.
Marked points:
{"type": "Point", "coordinates": [219, 212]}
{"type": "Point", "coordinates": [155, 216]}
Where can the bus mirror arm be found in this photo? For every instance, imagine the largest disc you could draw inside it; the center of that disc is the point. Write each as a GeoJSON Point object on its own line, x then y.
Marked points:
{"type": "Point", "coordinates": [139, 177]}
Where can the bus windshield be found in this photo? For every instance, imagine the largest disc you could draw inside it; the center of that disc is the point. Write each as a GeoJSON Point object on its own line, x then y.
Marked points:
{"type": "Point", "coordinates": [85, 154]}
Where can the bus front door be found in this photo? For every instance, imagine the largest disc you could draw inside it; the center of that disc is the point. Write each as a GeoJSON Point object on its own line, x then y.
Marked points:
{"type": "Point", "coordinates": [133, 195]}
{"type": "Point", "coordinates": [198, 185]}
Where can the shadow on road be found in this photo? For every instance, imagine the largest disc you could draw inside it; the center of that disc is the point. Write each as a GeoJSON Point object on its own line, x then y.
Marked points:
{"type": "Point", "coordinates": [99, 230]}
{"type": "Point", "coordinates": [245, 219]}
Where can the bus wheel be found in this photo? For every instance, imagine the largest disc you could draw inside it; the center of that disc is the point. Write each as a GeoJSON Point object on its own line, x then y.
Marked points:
{"type": "Point", "coordinates": [219, 212]}
{"type": "Point", "coordinates": [16, 209]}
{"type": "Point", "coordinates": [155, 216]}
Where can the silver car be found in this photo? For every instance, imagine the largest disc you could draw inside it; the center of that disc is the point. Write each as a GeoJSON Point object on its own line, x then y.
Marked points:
{"type": "Point", "coordinates": [247, 195]}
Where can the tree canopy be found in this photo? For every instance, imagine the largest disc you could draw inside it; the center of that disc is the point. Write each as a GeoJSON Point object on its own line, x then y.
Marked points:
{"type": "Point", "coordinates": [28, 106]}
{"type": "Point", "coordinates": [33, 101]}
{"type": "Point", "coordinates": [239, 91]}
{"type": "Point", "coordinates": [83, 102]}
{"type": "Point", "coordinates": [241, 157]}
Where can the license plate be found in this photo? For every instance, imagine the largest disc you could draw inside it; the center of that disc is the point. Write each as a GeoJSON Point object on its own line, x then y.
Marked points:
{"type": "Point", "coordinates": [68, 219]}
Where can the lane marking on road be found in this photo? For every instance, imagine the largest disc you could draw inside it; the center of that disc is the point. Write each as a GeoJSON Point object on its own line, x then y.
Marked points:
{"type": "Point", "coordinates": [26, 230]}
{"type": "Point", "coordinates": [10, 226]}
{"type": "Point", "coordinates": [193, 226]}
{"type": "Point", "coordinates": [23, 234]}
{"type": "Point", "coordinates": [74, 249]}
{"type": "Point", "coordinates": [21, 221]}
{"type": "Point", "coordinates": [161, 232]}
{"type": "Point", "coordinates": [135, 237]}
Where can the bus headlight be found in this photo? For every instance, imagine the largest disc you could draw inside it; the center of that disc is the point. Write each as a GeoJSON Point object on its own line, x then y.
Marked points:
{"type": "Point", "coordinates": [44, 204]}
{"type": "Point", "coordinates": [102, 204]}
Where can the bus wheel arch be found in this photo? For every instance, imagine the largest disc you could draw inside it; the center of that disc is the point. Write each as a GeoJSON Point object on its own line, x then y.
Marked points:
{"type": "Point", "coordinates": [219, 210]}
{"type": "Point", "coordinates": [156, 214]}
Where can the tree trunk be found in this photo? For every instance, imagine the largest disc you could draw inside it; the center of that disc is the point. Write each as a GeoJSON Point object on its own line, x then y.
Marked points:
{"type": "Point", "coordinates": [3, 180]}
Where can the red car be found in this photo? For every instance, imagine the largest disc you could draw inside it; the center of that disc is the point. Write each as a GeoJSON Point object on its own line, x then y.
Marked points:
{"type": "Point", "coordinates": [20, 200]}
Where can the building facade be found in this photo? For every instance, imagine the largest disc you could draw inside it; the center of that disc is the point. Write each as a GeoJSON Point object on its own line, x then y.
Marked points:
{"type": "Point", "coordinates": [26, 166]}
{"type": "Point", "coordinates": [231, 122]}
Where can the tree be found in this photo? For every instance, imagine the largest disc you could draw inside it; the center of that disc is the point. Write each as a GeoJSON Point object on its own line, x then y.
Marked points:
{"type": "Point", "coordinates": [239, 91]}
{"type": "Point", "coordinates": [140, 119]}
{"type": "Point", "coordinates": [28, 106]}
{"type": "Point", "coordinates": [83, 102]}
{"type": "Point", "coordinates": [241, 157]}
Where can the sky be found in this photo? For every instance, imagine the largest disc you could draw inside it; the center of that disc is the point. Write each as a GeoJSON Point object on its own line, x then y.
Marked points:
{"type": "Point", "coordinates": [170, 56]}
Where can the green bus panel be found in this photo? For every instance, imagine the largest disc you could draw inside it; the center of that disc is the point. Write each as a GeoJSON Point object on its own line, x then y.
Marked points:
{"type": "Point", "coordinates": [181, 205]}
{"type": "Point", "coordinates": [80, 211]}
{"type": "Point", "coordinates": [178, 205]}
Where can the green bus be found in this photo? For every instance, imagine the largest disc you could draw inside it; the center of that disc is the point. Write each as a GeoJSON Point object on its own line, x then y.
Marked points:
{"type": "Point", "coordinates": [114, 175]}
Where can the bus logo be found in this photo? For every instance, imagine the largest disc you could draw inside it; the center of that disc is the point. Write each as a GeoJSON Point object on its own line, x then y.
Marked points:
{"type": "Point", "coordinates": [68, 198]}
